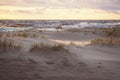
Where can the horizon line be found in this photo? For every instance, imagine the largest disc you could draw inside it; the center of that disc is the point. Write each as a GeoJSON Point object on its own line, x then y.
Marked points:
{"type": "Point", "coordinates": [59, 19]}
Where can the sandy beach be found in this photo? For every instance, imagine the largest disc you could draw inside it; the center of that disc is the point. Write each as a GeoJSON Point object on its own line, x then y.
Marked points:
{"type": "Point", "coordinates": [59, 39]}
{"type": "Point", "coordinates": [62, 55]}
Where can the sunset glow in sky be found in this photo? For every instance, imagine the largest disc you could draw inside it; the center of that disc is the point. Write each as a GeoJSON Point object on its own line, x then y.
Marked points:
{"type": "Point", "coordinates": [60, 9]}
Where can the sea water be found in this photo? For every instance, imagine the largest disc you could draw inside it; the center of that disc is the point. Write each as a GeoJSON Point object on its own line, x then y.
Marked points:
{"type": "Point", "coordinates": [55, 25]}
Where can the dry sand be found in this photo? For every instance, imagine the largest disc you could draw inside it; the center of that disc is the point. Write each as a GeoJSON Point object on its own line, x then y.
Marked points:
{"type": "Point", "coordinates": [81, 62]}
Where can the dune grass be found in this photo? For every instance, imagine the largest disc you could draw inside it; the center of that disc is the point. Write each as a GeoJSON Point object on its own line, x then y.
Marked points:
{"type": "Point", "coordinates": [73, 30]}
{"type": "Point", "coordinates": [56, 47]}
{"type": "Point", "coordinates": [7, 45]}
{"type": "Point", "coordinates": [24, 35]}
{"type": "Point", "coordinates": [111, 36]}
{"type": "Point", "coordinates": [106, 41]}
{"type": "Point", "coordinates": [114, 31]}
{"type": "Point", "coordinates": [72, 43]}
{"type": "Point", "coordinates": [19, 34]}
{"type": "Point", "coordinates": [37, 46]}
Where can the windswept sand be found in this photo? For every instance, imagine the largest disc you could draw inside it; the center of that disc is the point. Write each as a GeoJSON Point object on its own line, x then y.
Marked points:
{"type": "Point", "coordinates": [81, 62]}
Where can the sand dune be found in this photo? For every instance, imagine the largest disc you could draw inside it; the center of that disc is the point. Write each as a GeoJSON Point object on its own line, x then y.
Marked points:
{"type": "Point", "coordinates": [60, 56]}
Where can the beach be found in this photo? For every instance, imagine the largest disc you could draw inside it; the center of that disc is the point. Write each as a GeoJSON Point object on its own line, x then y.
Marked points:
{"type": "Point", "coordinates": [59, 39]}
{"type": "Point", "coordinates": [58, 55]}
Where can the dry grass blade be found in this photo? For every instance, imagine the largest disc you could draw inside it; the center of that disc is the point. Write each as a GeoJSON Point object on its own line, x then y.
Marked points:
{"type": "Point", "coordinates": [40, 46]}
{"type": "Point", "coordinates": [6, 46]}
{"type": "Point", "coordinates": [105, 41]}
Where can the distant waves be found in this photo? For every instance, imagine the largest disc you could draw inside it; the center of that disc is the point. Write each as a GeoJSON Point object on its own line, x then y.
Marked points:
{"type": "Point", "coordinates": [51, 25]}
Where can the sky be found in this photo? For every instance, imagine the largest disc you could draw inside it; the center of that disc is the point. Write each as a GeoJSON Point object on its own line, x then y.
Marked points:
{"type": "Point", "coordinates": [60, 9]}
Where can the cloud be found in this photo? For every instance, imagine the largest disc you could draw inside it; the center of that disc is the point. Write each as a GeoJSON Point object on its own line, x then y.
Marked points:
{"type": "Point", "coordinates": [15, 11]}
{"type": "Point", "coordinates": [4, 11]}
{"type": "Point", "coordinates": [113, 11]}
{"type": "Point", "coordinates": [10, 2]}
{"type": "Point", "coordinates": [110, 6]}
{"type": "Point", "coordinates": [107, 5]}
{"type": "Point", "coordinates": [23, 11]}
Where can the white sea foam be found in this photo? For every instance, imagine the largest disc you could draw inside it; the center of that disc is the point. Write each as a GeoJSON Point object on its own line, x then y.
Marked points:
{"type": "Point", "coordinates": [86, 24]}
{"type": "Point", "coordinates": [11, 29]}
{"type": "Point", "coordinates": [49, 29]}
{"type": "Point", "coordinates": [53, 25]}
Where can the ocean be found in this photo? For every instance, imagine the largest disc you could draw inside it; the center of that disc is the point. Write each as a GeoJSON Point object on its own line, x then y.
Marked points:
{"type": "Point", "coordinates": [16, 25]}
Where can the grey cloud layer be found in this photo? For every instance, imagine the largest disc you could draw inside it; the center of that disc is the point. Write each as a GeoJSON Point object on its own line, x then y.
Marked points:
{"type": "Point", "coordinates": [110, 5]}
